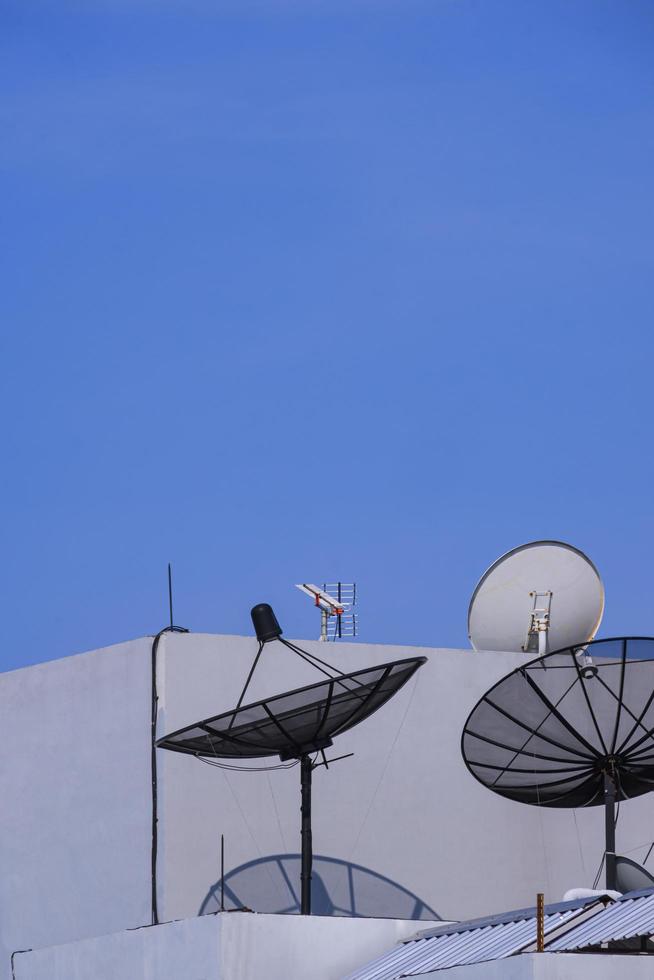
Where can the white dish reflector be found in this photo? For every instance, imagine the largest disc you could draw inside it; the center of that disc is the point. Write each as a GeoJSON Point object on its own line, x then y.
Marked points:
{"type": "Point", "coordinates": [540, 597]}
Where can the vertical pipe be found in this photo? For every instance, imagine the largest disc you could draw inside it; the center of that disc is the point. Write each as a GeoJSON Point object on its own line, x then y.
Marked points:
{"type": "Point", "coordinates": [540, 922]}
{"type": "Point", "coordinates": [609, 830]}
{"type": "Point", "coordinates": [153, 778]}
{"type": "Point", "coordinates": [222, 872]}
{"type": "Point", "coordinates": [306, 767]}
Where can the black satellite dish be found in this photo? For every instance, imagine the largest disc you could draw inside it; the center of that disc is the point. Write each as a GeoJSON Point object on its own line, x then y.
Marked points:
{"type": "Point", "coordinates": [296, 725]}
{"type": "Point", "coordinates": [574, 728]}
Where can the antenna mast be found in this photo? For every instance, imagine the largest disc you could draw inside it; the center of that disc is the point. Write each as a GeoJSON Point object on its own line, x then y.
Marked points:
{"type": "Point", "coordinates": [170, 594]}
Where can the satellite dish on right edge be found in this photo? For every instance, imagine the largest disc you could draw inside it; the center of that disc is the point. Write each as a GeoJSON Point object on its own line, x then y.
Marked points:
{"type": "Point", "coordinates": [631, 877]}
{"type": "Point", "coordinates": [542, 596]}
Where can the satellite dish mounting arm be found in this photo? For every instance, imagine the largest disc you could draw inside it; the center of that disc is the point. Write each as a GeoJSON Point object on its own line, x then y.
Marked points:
{"type": "Point", "coordinates": [609, 828]}
{"type": "Point", "coordinates": [539, 623]}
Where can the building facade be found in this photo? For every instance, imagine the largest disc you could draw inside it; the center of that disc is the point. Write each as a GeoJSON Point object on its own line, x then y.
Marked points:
{"type": "Point", "coordinates": [401, 829]}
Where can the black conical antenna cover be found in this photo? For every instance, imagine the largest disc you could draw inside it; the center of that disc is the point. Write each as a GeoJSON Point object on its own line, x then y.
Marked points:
{"type": "Point", "coordinates": [265, 623]}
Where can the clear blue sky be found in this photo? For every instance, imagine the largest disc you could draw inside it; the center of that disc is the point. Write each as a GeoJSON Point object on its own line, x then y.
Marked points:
{"type": "Point", "coordinates": [299, 290]}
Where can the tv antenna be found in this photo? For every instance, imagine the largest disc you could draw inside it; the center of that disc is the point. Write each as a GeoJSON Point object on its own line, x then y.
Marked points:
{"type": "Point", "coordinates": [298, 726]}
{"type": "Point", "coordinates": [551, 734]}
{"type": "Point", "coordinates": [545, 595]}
{"type": "Point", "coordinates": [336, 602]}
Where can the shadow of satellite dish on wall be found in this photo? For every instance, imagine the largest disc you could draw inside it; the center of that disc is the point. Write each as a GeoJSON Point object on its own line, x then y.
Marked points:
{"type": "Point", "coordinates": [339, 888]}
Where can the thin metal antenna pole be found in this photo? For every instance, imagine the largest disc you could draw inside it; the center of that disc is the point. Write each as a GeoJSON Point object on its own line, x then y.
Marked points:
{"type": "Point", "coordinates": [609, 826]}
{"type": "Point", "coordinates": [222, 872]}
{"type": "Point", "coordinates": [170, 593]}
{"type": "Point", "coordinates": [306, 769]}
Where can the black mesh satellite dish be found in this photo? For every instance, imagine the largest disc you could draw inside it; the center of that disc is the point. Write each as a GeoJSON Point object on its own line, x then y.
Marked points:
{"type": "Point", "coordinates": [299, 723]}
{"type": "Point", "coordinates": [574, 728]}
{"type": "Point", "coordinates": [296, 725]}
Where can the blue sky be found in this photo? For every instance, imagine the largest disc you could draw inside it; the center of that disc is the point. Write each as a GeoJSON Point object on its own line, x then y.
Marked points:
{"type": "Point", "coordinates": [299, 290]}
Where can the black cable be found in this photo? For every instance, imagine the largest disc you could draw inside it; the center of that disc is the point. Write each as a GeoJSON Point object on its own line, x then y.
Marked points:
{"type": "Point", "coordinates": [615, 824]}
{"type": "Point", "coordinates": [599, 872]}
{"type": "Point", "coordinates": [153, 767]}
{"type": "Point", "coordinates": [225, 765]}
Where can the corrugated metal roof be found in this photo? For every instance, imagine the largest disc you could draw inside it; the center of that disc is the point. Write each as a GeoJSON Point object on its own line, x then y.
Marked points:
{"type": "Point", "coordinates": [496, 937]}
{"type": "Point", "coordinates": [468, 945]}
{"type": "Point", "coordinates": [447, 928]}
{"type": "Point", "coordinates": [632, 915]}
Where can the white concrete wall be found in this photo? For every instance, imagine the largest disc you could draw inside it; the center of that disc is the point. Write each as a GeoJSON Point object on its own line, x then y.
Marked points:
{"type": "Point", "coordinates": [231, 946]}
{"type": "Point", "coordinates": [404, 806]}
{"type": "Point", "coordinates": [75, 828]}
{"type": "Point", "coordinates": [553, 966]}
{"type": "Point", "coordinates": [75, 820]}
{"type": "Point", "coordinates": [174, 951]}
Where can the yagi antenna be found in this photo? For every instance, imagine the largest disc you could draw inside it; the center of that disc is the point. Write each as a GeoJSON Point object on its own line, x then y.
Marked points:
{"type": "Point", "coordinates": [336, 601]}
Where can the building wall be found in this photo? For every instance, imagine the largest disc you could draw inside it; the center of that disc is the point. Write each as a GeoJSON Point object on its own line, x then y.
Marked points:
{"type": "Point", "coordinates": [236, 946]}
{"type": "Point", "coordinates": [75, 828]}
{"type": "Point", "coordinates": [187, 950]}
{"type": "Point", "coordinates": [401, 829]}
{"type": "Point", "coordinates": [221, 947]}
{"type": "Point", "coordinates": [405, 806]}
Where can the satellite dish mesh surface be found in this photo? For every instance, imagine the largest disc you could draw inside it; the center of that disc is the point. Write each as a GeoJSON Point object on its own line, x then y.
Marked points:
{"type": "Point", "coordinates": [551, 731]}
{"type": "Point", "coordinates": [297, 723]}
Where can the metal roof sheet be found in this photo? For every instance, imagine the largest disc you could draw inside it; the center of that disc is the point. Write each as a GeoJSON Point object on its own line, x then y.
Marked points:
{"type": "Point", "coordinates": [447, 928]}
{"type": "Point", "coordinates": [632, 915]}
{"type": "Point", "coordinates": [468, 945]}
{"type": "Point", "coordinates": [496, 937]}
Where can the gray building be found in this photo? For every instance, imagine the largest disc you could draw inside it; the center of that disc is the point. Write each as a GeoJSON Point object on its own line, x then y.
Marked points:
{"type": "Point", "coordinates": [401, 829]}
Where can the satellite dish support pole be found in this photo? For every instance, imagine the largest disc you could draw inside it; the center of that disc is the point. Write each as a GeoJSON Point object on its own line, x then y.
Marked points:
{"type": "Point", "coordinates": [609, 825]}
{"type": "Point", "coordinates": [306, 769]}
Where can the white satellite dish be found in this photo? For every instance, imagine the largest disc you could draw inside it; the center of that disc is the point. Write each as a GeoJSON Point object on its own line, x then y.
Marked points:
{"type": "Point", "coordinates": [542, 596]}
